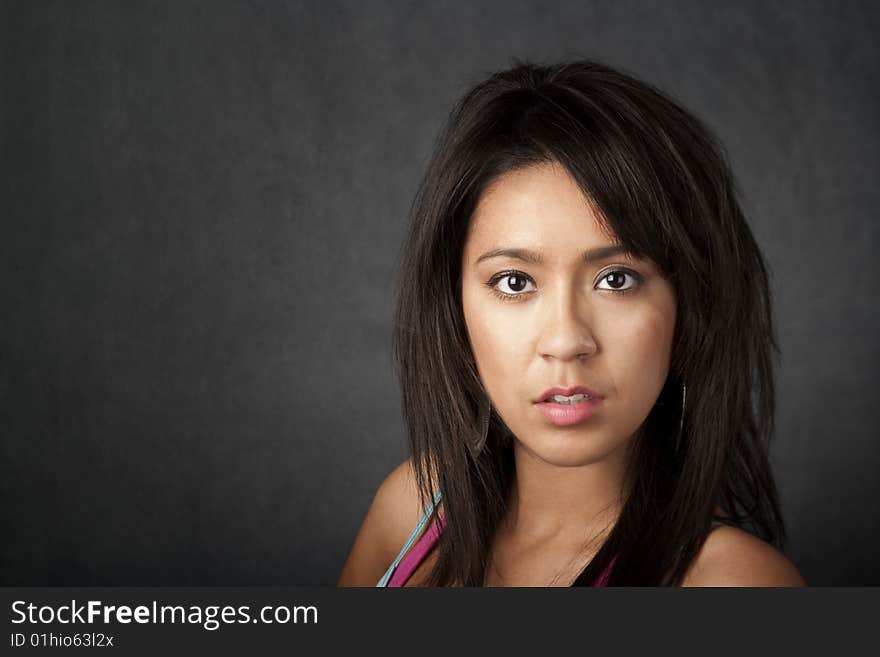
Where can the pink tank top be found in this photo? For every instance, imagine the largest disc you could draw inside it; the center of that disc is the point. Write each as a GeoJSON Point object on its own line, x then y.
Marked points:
{"type": "Point", "coordinates": [420, 550]}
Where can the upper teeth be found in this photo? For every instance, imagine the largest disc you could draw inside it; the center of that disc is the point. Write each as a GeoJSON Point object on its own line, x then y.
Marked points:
{"type": "Point", "coordinates": [573, 399]}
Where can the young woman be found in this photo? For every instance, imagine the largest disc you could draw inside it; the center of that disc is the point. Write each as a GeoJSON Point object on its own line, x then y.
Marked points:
{"type": "Point", "coordinates": [584, 340]}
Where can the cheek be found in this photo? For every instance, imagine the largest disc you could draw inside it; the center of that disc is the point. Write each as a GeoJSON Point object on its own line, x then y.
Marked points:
{"type": "Point", "coordinates": [641, 354]}
{"type": "Point", "coordinates": [497, 349]}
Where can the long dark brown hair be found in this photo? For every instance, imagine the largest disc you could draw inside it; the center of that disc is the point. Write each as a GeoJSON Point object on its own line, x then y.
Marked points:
{"type": "Point", "coordinates": [665, 191]}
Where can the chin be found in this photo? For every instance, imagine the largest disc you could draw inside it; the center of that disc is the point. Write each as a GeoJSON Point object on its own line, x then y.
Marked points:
{"type": "Point", "coordinates": [568, 450]}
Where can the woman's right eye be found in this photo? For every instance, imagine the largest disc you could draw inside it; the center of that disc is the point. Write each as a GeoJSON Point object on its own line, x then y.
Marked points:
{"type": "Point", "coordinates": [511, 284]}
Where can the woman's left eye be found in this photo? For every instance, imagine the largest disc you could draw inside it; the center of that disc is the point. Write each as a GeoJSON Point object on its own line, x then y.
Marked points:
{"type": "Point", "coordinates": [616, 280]}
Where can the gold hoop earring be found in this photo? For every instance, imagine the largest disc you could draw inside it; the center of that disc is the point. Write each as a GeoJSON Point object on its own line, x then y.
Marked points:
{"type": "Point", "coordinates": [481, 432]}
{"type": "Point", "coordinates": [681, 419]}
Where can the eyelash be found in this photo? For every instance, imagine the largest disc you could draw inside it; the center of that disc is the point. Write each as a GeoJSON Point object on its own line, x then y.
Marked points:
{"type": "Point", "coordinates": [493, 282]}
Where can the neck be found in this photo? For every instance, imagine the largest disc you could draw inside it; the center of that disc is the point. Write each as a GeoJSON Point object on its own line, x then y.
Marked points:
{"type": "Point", "coordinates": [557, 502]}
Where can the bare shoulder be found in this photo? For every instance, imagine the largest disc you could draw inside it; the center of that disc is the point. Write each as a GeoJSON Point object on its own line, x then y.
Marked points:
{"type": "Point", "coordinates": [733, 557]}
{"type": "Point", "coordinates": [393, 513]}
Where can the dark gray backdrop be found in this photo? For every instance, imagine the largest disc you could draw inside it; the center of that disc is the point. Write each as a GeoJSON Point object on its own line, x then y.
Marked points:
{"type": "Point", "coordinates": [202, 205]}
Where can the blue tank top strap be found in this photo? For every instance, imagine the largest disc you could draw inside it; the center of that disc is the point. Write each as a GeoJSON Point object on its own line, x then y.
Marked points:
{"type": "Point", "coordinates": [409, 541]}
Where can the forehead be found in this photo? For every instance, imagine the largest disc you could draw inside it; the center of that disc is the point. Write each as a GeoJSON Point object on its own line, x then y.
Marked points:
{"type": "Point", "coordinates": [539, 207]}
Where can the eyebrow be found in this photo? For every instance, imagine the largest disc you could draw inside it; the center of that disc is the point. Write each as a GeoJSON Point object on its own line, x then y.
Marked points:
{"type": "Point", "coordinates": [534, 258]}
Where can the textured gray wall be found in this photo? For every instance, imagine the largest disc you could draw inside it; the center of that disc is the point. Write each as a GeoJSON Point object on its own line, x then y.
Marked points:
{"type": "Point", "coordinates": [201, 213]}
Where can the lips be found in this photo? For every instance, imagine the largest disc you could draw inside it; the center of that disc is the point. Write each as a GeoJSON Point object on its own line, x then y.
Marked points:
{"type": "Point", "coordinates": [565, 415]}
{"type": "Point", "coordinates": [567, 392]}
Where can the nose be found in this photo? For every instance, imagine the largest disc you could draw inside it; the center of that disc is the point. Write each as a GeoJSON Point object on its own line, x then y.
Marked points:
{"type": "Point", "coordinates": [566, 333]}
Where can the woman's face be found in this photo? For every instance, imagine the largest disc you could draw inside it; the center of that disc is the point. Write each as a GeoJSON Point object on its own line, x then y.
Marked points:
{"type": "Point", "coordinates": [606, 323]}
